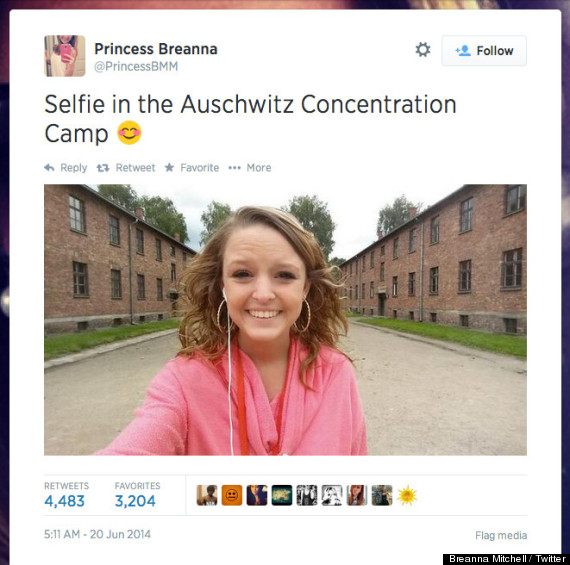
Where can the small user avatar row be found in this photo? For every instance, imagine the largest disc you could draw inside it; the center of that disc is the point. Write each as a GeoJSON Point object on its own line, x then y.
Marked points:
{"type": "Point", "coordinates": [283, 495]}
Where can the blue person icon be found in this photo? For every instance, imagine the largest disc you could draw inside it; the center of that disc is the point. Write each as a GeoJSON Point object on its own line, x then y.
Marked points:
{"type": "Point", "coordinates": [464, 51]}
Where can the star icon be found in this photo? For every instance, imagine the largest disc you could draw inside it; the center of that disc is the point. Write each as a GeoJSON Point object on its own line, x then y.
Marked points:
{"type": "Point", "coordinates": [169, 168]}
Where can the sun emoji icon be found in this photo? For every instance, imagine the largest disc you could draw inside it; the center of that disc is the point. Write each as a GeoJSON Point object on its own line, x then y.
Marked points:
{"type": "Point", "coordinates": [407, 496]}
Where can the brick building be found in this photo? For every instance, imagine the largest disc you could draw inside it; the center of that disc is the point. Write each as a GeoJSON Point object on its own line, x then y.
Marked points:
{"type": "Point", "coordinates": [105, 266]}
{"type": "Point", "coordinates": [461, 262]}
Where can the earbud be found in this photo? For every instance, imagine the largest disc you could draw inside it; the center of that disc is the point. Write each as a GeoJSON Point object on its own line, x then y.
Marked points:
{"type": "Point", "coordinates": [224, 293]}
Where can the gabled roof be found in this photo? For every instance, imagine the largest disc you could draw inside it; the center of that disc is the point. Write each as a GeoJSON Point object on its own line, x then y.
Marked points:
{"type": "Point", "coordinates": [96, 194]}
{"type": "Point", "coordinates": [427, 212]}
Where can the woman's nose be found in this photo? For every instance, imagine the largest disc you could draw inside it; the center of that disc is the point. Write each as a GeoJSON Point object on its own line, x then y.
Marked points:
{"type": "Point", "coordinates": [263, 290]}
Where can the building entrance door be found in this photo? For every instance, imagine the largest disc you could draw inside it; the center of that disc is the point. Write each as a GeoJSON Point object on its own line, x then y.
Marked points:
{"type": "Point", "coordinates": [381, 304]}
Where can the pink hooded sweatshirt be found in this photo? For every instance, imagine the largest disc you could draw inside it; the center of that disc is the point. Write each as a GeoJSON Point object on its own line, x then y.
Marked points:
{"type": "Point", "coordinates": [185, 411]}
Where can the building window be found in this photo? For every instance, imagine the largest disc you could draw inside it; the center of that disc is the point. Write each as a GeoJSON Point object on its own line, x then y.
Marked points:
{"type": "Point", "coordinates": [412, 246]}
{"type": "Point", "coordinates": [382, 271]}
{"type": "Point", "coordinates": [350, 268]}
{"type": "Point", "coordinates": [433, 317]}
{"type": "Point", "coordinates": [394, 286]}
{"type": "Point", "coordinates": [394, 314]}
{"type": "Point", "coordinates": [434, 280]}
{"type": "Point", "coordinates": [159, 294]}
{"type": "Point", "coordinates": [372, 259]}
{"type": "Point", "coordinates": [114, 231]}
{"type": "Point", "coordinates": [140, 242]}
{"type": "Point", "coordinates": [184, 258]}
{"type": "Point", "coordinates": [434, 230]}
{"type": "Point", "coordinates": [172, 272]}
{"type": "Point", "coordinates": [382, 250]}
{"type": "Point", "coordinates": [80, 282]}
{"type": "Point", "coordinates": [116, 283]}
{"type": "Point", "coordinates": [158, 247]}
{"type": "Point", "coordinates": [172, 251]}
{"type": "Point", "coordinates": [411, 314]}
{"type": "Point", "coordinates": [396, 247]}
{"type": "Point", "coordinates": [411, 284]}
{"type": "Point", "coordinates": [371, 289]}
{"type": "Point", "coordinates": [512, 269]}
{"type": "Point", "coordinates": [510, 325]}
{"type": "Point", "coordinates": [76, 214]}
{"type": "Point", "coordinates": [516, 198]}
{"type": "Point", "coordinates": [363, 291]}
{"type": "Point", "coordinates": [140, 287]}
{"type": "Point", "coordinates": [464, 320]}
{"type": "Point", "coordinates": [356, 292]}
{"type": "Point", "coordinates": [465, 276]}
{"type": "Point", "coordinates": [466, 218]}
{"type": "Point", "coordinates": [350, 293]}
{"type": "Point", "coordinates": [363, 263]}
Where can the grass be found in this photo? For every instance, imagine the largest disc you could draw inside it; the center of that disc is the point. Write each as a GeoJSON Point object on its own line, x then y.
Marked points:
{"type": "Point", "coordinates": [74, 343]}
{"type": "Point", "coordinates": [497, 343]}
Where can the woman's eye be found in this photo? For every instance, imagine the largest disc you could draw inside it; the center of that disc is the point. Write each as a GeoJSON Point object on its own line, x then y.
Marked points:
{"type": "Point", "coordinates": [286, 275]}
{"type": "Point", "coordinates": [240, 274]}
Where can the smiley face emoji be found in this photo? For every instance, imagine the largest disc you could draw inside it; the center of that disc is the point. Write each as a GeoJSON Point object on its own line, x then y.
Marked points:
{"type": "Point", "coordinates": [129, 132]}
{"type": "Point", "coordinates": [231, 495]}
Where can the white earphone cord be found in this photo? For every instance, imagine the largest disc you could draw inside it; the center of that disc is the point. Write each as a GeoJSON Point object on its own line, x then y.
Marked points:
{"type": "Point", "coordinates": [230, 382]}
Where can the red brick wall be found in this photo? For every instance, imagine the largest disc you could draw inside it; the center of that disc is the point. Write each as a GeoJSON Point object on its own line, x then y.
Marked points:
{"type": "Point", "coordinates": [63, 246]}
{"type": "Point", "coordinates": [491, 235]}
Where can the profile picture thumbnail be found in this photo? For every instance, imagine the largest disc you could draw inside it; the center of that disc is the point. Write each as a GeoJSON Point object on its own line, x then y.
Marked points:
{"type": "Point", "coordinates": [356, 495]}
{"type": "Point", "coordinates": [381, 495]}
{"type": "Point", "coordinates": [332, 495]}
{"type": "Point", "coordinates": [231, 495]}
{"type": "Point", "coordinates": [64, 55]}
{"type": "Point", "coordinates": [257, 495]}
{"type": "Point", "coordinates": [307, 495]}
{"type": "Point", "coordinates": [281, 495]}
{"type": "Point", "coordinates": [207, 495]}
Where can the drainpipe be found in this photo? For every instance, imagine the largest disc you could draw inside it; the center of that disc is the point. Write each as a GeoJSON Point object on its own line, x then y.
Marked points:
{"type": "Point", "coordinates": [131, 297]}
{"type": "Point", "coordinates": [359, 269]}
{"type": "Point", "coordinates": [421, 312]}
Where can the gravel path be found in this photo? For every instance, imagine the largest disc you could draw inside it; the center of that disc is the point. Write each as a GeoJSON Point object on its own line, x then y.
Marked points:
{"type": "Point", "coordinates": [423, 397]}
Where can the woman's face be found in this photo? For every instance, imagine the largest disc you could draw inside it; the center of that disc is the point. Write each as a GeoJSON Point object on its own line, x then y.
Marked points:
{"type": "Point", "coordinates": [65, 38]}
{"type": "Point", "coordinates": [265, 282]}
{"type": "Point", "coordinates": [355, 490]}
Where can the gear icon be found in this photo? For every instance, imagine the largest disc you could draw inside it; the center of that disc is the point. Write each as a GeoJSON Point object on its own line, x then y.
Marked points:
{"type": "Point", "coordinates": [422, 49]}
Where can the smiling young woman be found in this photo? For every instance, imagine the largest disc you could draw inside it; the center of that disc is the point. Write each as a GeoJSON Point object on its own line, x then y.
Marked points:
{"type": "Point", "coordinates": [258, 353]}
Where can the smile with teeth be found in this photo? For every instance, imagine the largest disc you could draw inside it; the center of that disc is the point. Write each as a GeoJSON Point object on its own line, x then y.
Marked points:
{"type": "Point", "coordinates": [263, 313]}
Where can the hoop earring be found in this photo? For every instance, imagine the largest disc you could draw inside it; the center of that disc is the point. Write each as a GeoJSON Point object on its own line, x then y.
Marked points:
{"type": "Point", "coordinates": [219, 324]}
{"type": "Point", "coordinates": [308, 318]}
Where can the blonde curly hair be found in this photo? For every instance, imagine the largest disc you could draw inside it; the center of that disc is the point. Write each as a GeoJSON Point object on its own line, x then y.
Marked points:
{"type": "Point", "coordinates": [201, 285]}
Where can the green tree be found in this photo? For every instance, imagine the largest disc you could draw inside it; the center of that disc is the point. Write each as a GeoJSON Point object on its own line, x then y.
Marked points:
{"type": "Point", "coordinates": [336, 261]}
{"type": "Point", "coordinates": [392, 216]}
{"type": "Point", "coordinates": [212, 218]}
{"type": "Point", "coordinates": [162, 213]}
{"type": "Point", "coordinates": [314, 216]}
{"type": "Point", "coordinates": [121, 194]}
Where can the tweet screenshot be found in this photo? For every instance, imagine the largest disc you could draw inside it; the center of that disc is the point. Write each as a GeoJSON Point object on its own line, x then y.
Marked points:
{"type": "Point", "coordinates": [291, 261]}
